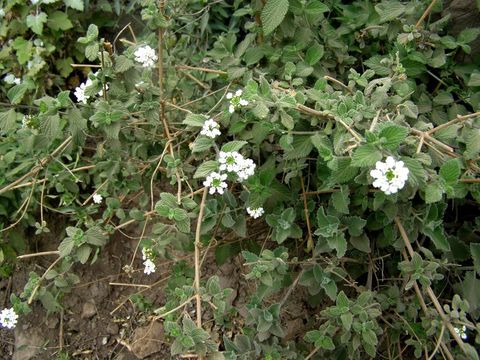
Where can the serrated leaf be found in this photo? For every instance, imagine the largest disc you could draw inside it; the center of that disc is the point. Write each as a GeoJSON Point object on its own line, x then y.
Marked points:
{"type": "Point", "coordinates": [202, 144]}
{"type": "Point", "coordinates": [16, 93]}
{"type": "Point", "coordinates": [195, 120]}
{"type": "Point", "coordinates": [273, 14]}
{"type": "Point", "coordinates": [205, 168]}
{"type": "Point", "coordinates": [35, 22]}
{"type": "Point", "coordinates": [468, 35]}
{"type": "Point", "coordinates": [122, 64]}
{"type": "Point", "coordinates": [437, 235]}
{"type": "Point", "coordinates": [91, 51]}
{"type": "Point", "coordinates": [417, 175]}
{"type": "Point", "coordinates": [450, 171]}
{"type": "Point", "coordinates": [475, 252]}
{"type": "Point", "coordinates": [366, 155]}
{"type": "Point", "coordinates": [301, 147]}
{"type": "Point", "coordinates": [393, 136]}
{"type": "Point", "coordinates": [389, 10]}
{"type": "Point", "coordinates": [260, 110]}
{"type": "Point", "coordinates": [338, 243]}
{"type": "Point", "coordinates": [474, 79]}
{"type": "Point", "coordinates": [8, 121]}
{"type": "Point", "coordinates": [74, 4]}
{"type": "Point", "coordinates": [235, 145]}
{"type": "Point", "coordinates": [341, 200]}
{"type": "Point", "coordinates": [433, 193]}
{"type": "Point", "coordinates": [58, 20]}
{"type": "Point", "coordinates": [314, 54]}
{"type": "Point", "coordinates": [315, 8]}
{"type": "Point", "coordinates": [472, 144]}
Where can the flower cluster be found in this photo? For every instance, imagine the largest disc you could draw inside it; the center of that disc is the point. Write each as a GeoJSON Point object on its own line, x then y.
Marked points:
{"type": "Point", "coordinates": [8, 318]}
{"type": "Point", "coordinates": [147, 257]}
{"type": "Point", "coordinates": [216, 182]}
{"type": "Point", "coordinates": [462, 332]}
{"type": "Point", "coordinates": [236, 101]}
{"type": "Point", "coordinates": [146, 56]}
{"type": "Point", "coordinates": [27, 121]}
{"type": "Point", "coordinates": [12, 79]}
{"type": "Point", "coordinates": [236, 163]}
{"type": "Point", "coordinates": [390, 176]}
{"type": "Point", "coordinates": [211, 129]}
{"type": "Point", "coordinates": [255, 213]}
{"type": "Point", "coordinates": [80, 90]}
{"type": "Point", "coordinates": [97, 198]}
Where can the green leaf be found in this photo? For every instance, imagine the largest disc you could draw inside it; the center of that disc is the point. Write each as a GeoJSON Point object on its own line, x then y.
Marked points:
{"type": "Point", "coordinates": [8, 121]}
{"type": "Point", "coordinates": [195, 120]}
{"type": "Point", "coordinates": [443, 98]}
{"type": "Point", "coordinates": [66, 247]}
{"type": "Point", "coordinates": [475, 252]}
{"type": "Point", "coordinates": [474, 79]}
{"type": "Point", "coordinates": [325, 342]}
{"type": "Point", "coordinates": [315, 8]}
{"type": "Point", "coordinates": [314, 54]}
{"type": "Point", "coordinates": [450, 171]}
{"type": "Point", "coordinates": [59, 21]}
{"type": "Point", "coordinates": [74, 4]}
{"type": "Point", "coordinates": [338, 243]}
{"type": "Point", "coordinates": [273, 14]}
{"type": "Point", "coordinates": [366, 155]}
{"type": "Point", "coordinates": [417, 175]}
{"type": "Point", "coordinates": [35, 22]}
{"type": "Point", "coordinates": [437, 235]}
{"type": "Point", "coordinates": [95, 236]}
{"type": "Point", "coordinates": [347, 320]}
{"type": "Point", "coordinates": [206, 168]}
{"type": "Point", "coordinates": [468, 35]}
{"type": "Point", "coordinates": [390, 10]}
{"type": "Point", "coordinates": [472, 144]}
{"type": "Point", "coordinates": [393, 136]}
{"type": "Point", "coordinates": [202, 144]}
{"type": "Point", "coordinates": [17, 92]}
{"type": "Point", "coordinates": [235, 145]}
{"type": "Point", "coordinates": [91, 51]}
{"type": "Point", "coordinates": [123, 63]}
{"type": "Point", "coordinates": [302, 146]}
{"type": "Point", "coordinates": [260, 110]}
{"type": "Point", "coordinates": [341, 200]}
{"type": "Point", "coordinates": [83, 253]}
{"type": "Point", "coordinates": [433, 193]}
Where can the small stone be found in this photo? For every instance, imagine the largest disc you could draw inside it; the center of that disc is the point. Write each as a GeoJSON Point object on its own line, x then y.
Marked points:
{"type": "Point", "coordinates": [89, 310]}
{"type": "Point", "coordinates": [28, 344]}
{"type": "Point", "coordinates": [112, 329]}
{"type": "Point", "coordinates": [147, 340]}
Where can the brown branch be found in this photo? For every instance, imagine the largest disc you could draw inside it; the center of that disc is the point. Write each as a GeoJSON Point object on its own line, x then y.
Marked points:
{"type": "Point", "coordinates": [425, 14]}
{"type": "Point", "coordinates": [307, 216]}
{"type": "Point", "coordinates": [197, 257]}
{"type": "Point", "coordinates": [202, 69]}
{"type": "Point", "coordinates": [454, 121]}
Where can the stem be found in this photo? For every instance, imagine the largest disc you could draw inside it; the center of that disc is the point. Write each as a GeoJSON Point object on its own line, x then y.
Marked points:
{"type": "Point", "coordinates": [425, 14]}
{"type": "Point", "coordinates": [307, 216]}
{"type": "Point", "coordinates": [197, 257]}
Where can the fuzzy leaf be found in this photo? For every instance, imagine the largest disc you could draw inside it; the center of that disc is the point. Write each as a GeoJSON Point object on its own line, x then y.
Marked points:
{"type": "Point", "coordinates": [393, 136]}
{"type": "Point", "coordinates": [35, 22]}
{"type": "Point", "coordinates": [450, 171]}
{"type": "Point", "coordinates": [205, 168]}
{"type": "Point", "coordinates": [273, 14]}
{"type": "Point", "coordinates": [233, 145]}
{"type": "Point", "coordinates": [366, 155]}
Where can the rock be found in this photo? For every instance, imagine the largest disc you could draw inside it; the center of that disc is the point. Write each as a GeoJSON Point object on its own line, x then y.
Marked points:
{"type": "Point", "coordinates": [89, 310]}
{"type": "Point", "coordinates": [28, 343]}
{"type": "Point", "coordinates": [147, 340]}
{"type": "Point", "coordinates": [112, 329]}
{"type": "Point", "coordinates": [99, 290]}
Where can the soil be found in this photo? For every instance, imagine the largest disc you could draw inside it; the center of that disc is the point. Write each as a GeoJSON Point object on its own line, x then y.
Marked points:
{"type": "Point", "coordinates": [98, 321]}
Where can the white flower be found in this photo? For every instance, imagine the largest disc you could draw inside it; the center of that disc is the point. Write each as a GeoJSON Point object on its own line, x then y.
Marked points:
{"type": "Point", "coordinates": [211, 129]}
{"type": "Point", "coordinates": [35, 2]}
{"type": "Point", "coordinates": [12, 79]}
{"type": "Point", "coordinates": [80, 91]}
{"type": "Point", "coordinates": [236, 102]}
{"type": "Point", "coordinates": [246, 168]}
{"type": "Point", "coordinates": [8, 318]}
{"type": "Point", "coordinates": [2, 13]}
{"type": "Point", "coordinates": [390, 176]}
{"type": "Point", "coordinates": [26, 121]}
{"type": "Point", "coordinates": [146, 56]}
{"type": "Point", "coordinates": [230, 161]}
{"type": "Point", "coordinates": [149, 267]}
{"type": "Point", "coordinates": [216, 182]}
{"type": "Point", "coordinates": [255, 213]}
{"type": "Point", "coordinates": [462, 332]}
{"type": "Point", "coordinates": [97, 198]}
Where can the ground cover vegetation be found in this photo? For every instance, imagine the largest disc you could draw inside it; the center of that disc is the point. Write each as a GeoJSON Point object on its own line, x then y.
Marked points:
{"type": "Point", "coordinates": [332, 148]}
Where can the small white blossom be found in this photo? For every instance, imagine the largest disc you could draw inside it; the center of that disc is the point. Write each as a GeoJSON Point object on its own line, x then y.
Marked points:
{"type": "Point", "coordinates": [35, 2]}
{"type": "Point", "coordinates": [97, 198]}
{"type": "Point", "coordinates": [12, 79]}
{"type": "Point", "coordinates": [246, 168]}
{"type": "Point", "coordinates": [255, 213]}
{"type": "Point", "coordinates": [462, 332]}
{"type": "Point", "coordinates": [146, 56]}
{"type": "Point", "coordinates": [236, 101]}
{"type": "Point", "coordinates": [211, 129]}
{"type": "Point", "coordinates": [216, 182]}
{"type": "Point", "coordinates": [149, 267]}
{"type": "Point", "coordinates": [80, 90]}
{"type": "Point", "coordinates": [230, 161]}
{"type": "Point", "coordinates": [27, 121]}
{"type": "Point", "coordinates": [8, 318]}
{"type": "Point", "coordinates": [390, 176]}
{"type": "Point", "coordinates": [2, 13]}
